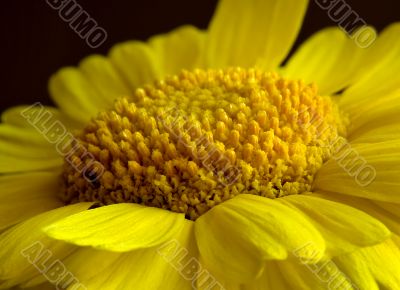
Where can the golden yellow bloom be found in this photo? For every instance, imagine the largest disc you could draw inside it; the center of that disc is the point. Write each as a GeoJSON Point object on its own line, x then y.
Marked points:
{"type": "Point", "coordinates": [195, 160]}
{"type": "Point", "coordinates": [174, 145]}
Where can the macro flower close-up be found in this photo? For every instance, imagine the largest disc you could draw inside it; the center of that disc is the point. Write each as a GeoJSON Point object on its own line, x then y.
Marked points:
{"type": "Point", "coordinates": [211, 159]}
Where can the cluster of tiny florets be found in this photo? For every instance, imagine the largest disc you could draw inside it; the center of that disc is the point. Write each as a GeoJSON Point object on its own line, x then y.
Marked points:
{"type": "Point", "coordinates": [192, 141]}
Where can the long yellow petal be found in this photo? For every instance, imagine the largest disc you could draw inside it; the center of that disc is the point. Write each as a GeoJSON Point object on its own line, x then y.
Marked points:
{"type": "Point", "coordinates": [300, 276]}
{"type": "Point", "coordinates": [246, 33]}
{"type": "Point", "coordinates": [365, 170]}
{"type": "Point", "coordinates": [329, 58]}
{"type": "Point", "coordinates": [25, 251]}
{"type": "Point", "coordinates": [23, 149]}
{"type": "Point", "coordinates": [74, 94]}
{"type": "Point", "coordinates": [374, 115]}
{"type": "Point", "coordinates": [169, 266]}
{"type": "Point", "coordinates": [182, 48]}
{"type": "Point", "coordinates": [381, 262]}
{"type": "Point", "coordinates": [83, 264]}
{"type": "Point", "coordinates": [357, 271]}
{"type": "Point", "coordinates": [105, 79]}
{"type": "Point", "coordinates": [374, 134]}
{"type": "Point", "coordinates": [272, 278]}
{"type": "Point", "coordinates": [249, 229]}
{"type": "Point", "coordinates": [25, 142]}
{"type": "Point", "coordinates": [120, 227]}
{"type": "Point", "coordinates": [344, 228]}
{"type": "Point", "coordinates": [383, 76]}
{"type": "Point", "coordinates": [387, 213]}
{"type": "Point", "coordinates": [17, 116]}
{"type": "Point", "coordinates": [29, 136]}
{"type": "Point", "coordinates": [137, 62]}
{"type": "Point", "coordinates": [26, 195]}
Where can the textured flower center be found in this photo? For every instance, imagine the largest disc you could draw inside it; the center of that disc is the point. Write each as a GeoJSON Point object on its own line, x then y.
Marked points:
{"type": "Point", "coordinates": [192, 141]}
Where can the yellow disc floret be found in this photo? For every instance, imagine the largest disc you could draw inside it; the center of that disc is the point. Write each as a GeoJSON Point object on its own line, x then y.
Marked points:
{"type": "Point", "coordinates": [192, 141]}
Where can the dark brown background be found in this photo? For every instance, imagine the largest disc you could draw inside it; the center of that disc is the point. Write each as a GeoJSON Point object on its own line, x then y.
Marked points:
{"type": "Point", "coordinates": [35, 42]}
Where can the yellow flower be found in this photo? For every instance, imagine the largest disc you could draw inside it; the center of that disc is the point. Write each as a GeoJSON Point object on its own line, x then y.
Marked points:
{"type": "Point", "coordinates": [197, 160]}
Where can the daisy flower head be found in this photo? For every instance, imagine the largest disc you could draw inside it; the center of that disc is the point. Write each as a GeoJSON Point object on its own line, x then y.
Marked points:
{"type": "Point", "coordinates": [200, 160]}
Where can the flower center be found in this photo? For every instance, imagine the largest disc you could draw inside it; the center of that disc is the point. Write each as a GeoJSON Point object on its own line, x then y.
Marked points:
{"type": "Point", "coordinates": [192, 141]}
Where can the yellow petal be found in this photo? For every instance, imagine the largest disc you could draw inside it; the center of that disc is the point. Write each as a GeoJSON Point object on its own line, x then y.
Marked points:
{"type": "Point", "coordinates": [357, 271]}
{"type": "Point", "coordinates": [386, 213]}
{"type": "Point", "coordinates": [365, 170]}
{"type": "Point", "coordinates": [26, 195]}
{"type": "Point", "coordinates": [344, 228]}
{"type": "Point", "coordinates": [44, 286]}
{"type": "Point", "coordinates": [161, 267]}
{"type": "Point", "coordinates": [10, 164]}
{"type": "Point", "coordinates": [246, 33]}
{"type": "Point", "coordinates": [237, 236]}
{"type": "Point", "coordinates": [182, 48]}
{"type": "Point", "coordinates": [374, 134]}
{"type": "Point", "coordinates": [392, 209]}
{"type": "Point", "coordinates": [84, 263]}
{"type": "Point", "coordinates": [92, 87]}
{"type": "Point", "coordinates": [105, 79]}
{"type": "Point", "coordinates": [29, 137]}
{"type": "Point", "coordinates": [22, 116]}
{"type": "Point", "coordinates": [384, 75]}
{"type": "Point", "coordinates": [23, 149]}
{"type": "Point", "coordinates": [207, 279]}
{"type": "Point", "coordinates": [34, 138]}
{"type": "Point", "coordinates": [374, 101]}
{"type": "Point", "coordinates": [300, 276]}
{"type": "Point", "coordinates": [84, 91]}
{"type": "Point", "coordinates": [383, 264]}
{"type": "Point", "coordinates": [374, 115]}
{"type": "Point", "coordinates": [136, 62]}
{"type": "Point", "coordinates": [272, 278]}
{"type": "Point", "coordinates": [221, 284]}
{"type": "Point", "coordinates": [26, 245]}
{"type": "Point", "coordinates": [74, 94]}
{"type": "Point", "coordinates": [330, 58]}
{"type": "Point", "coordinates": [120, 227]}
{"type": "Point", "coordinates": [25, 142]}
{"type": "Point", "coordinates": [292, 274]}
